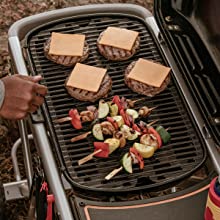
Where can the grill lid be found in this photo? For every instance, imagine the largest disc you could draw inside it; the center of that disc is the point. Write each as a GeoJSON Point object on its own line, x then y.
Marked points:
{"type": "Point", "coordinates": [176, 160]}
{"type": "Point", "coordinates": [191, 29]}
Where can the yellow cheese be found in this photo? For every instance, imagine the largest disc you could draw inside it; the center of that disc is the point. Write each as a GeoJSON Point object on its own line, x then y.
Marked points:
{"type": "Point", "coordinates": [67, 44]}
{"type": "Point", "coordinates": [119, 38]}
{"type": "Point", "coordinates": [149, 73]}
{"type": "Point", "coordinates": [86, 77]}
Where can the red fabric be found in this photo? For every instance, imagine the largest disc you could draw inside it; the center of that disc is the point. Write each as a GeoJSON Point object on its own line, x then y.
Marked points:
{"type": "Point", "coordinates": [212, 195]}
{"type": "Point", "coordinates": [50, 200]}
{"type": "Point", "coordinates": [208, 214]}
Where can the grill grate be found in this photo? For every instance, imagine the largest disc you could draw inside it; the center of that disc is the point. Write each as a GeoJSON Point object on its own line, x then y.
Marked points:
{"type": "Point", "coordinates": [176, 160]}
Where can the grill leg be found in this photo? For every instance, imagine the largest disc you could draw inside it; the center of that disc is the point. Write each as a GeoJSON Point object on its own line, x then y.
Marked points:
{"type": "Point", "coordinates": [26, 151]}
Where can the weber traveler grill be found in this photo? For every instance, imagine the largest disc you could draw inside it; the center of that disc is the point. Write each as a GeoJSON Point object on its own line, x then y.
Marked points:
{"type": "Point", "coordinates": [189, 107]}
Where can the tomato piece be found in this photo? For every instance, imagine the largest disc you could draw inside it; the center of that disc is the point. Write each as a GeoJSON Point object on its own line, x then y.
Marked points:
{"type": "Point", "coordinates": [125, 117]}
{"type": "Point", "coordinates": [76, 121]}
{"type": "Point", "coordinates": [104, 147]}
{"type": "Point", "coordinates": [136, 128]}
{"type": "Point", "coordinates": [151, 130]}
{"type": "Point", "coordinates": [113, 122]}
{"type": "Point", "coordinates": [138, 156]}
{"type": "Point", "coordinates": [116, 99]}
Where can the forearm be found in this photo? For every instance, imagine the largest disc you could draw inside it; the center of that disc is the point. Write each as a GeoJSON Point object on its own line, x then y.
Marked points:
{"type": "Point", "coordinates": [2, 93]}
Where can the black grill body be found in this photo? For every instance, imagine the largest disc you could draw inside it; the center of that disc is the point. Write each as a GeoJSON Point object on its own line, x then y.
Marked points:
{"type": "Point", "coordinates": [176, 160]}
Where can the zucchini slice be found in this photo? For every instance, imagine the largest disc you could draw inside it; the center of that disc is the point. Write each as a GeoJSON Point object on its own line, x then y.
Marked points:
{"type": "Point", "coordinates": [103, 109]}
{"type": "Point", "coordinates": [127, 163]}
{"type": "Point", "coordinates": [97, 132]}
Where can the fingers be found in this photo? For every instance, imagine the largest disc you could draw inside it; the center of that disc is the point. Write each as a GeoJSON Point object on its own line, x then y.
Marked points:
{"type": "Point", "coordinates": [40, 89]}
{"type": "Point", "coordinates": [34, 79]}
{"type": "Point", "coordinates": [37, 101]}
{"type": "Point", "coordinates": [33, 108]}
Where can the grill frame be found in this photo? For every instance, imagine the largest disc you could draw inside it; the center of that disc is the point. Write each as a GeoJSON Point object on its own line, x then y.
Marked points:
{"type": "Point", "coordinates": [50, 126]}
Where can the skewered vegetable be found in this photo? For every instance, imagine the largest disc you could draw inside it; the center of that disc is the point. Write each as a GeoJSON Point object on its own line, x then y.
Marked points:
{"type": "Point", "coordinates": [75, 118]}
{"type": "Point", "coordinates": [119, 135]}
{"type": "Point", "coordinates": [103, 109]}
{"type": "Point", "coordinates": [97, 132]}
{"type": "Point", "coordinates": [105, 149]}
{"type": "Point", "coordinates": [164, 134]}
{"type": "Point", "coordinates": [119, 119]}
{"type": "Point", "coordinates": [107, 128]}
{"type": "Point", "coordinates": [137, 156]}
{"type": "Point", "coordinates": [87, 116]}
{"type": "Point", "coordinates": [132, 113]}
{"type": "Point", "coordinates": [144, 150]}
{"type": "Point", "coordinates": [145, 111]}
{"type": "Point", "coordinates": [151, 130]}
{"type": "Point", "coordinates": [127, 163]}
{"type": "Point", "coordinates": [113, 109]}
{"type": "Point", "coordinates": [149, 140]}
{"type": "Point", "coordinates": [113, 144]}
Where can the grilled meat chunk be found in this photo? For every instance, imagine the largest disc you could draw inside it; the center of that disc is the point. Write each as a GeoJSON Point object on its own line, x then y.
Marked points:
{"type": "Point", "coordinates": [142, 88]}
{"type": "Point", "coordinates": [65, 60]}
{"type": "Point", "coordinates": [84, 95]}
{"type": "Point", "coordinates": [117, 54]}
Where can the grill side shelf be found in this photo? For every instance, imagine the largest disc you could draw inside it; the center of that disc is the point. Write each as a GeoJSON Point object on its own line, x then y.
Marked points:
{"type": "Point", "coordinates": [177, 160]}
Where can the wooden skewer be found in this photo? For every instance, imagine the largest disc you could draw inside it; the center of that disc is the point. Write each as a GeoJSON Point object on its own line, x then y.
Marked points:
{"type": "Point", "coordinates": [150, 109]}
{"type": "Point", "coordinates": [61, 120]}
{"type": "Point", "coordinates": [113, 173]}
{"type": "Point", "coordinates": [137, 100]}
{"type": "Point", "coordinates": [80, 137]}
{"type": "Point", "coordinates": [153, 122]}
{"type": "Point", "coordinates": [88, 157]}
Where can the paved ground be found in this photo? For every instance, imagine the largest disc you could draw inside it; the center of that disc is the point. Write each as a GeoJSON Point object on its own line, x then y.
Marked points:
{"type": "Point", "coordinates": [11, 11]}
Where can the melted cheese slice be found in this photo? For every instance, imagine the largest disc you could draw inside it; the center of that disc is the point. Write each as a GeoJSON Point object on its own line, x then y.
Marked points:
{"type": "Point", "coordinates": [86, 77]}
{"type": "Point", "coordinates": [149, 73]}
{"type": "Point", "coordinates": [119, 38]}
{"type": "Point", "coordinates": [67, 44]}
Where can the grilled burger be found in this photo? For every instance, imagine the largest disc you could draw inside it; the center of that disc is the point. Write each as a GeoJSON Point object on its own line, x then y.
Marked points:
{"type": "Point", "coordinates": [88, 83]}
{"type": "Point", "coordinates": [84, 95]}
{"type": "Point", "coordinates": [117, 53]}
{"type": "Point", "coordinates": [143, 88]}
{"type": "Point", "coordinates": [66, 60]}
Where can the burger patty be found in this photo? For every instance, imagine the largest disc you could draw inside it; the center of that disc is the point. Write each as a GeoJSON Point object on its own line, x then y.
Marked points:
{"type": "Point", "coordinates": [84, 95]}
{"type": "Point", "coordinates": [142, 88]}
{"type": "Point", "coordinates": [117, 54]}
{"type": "Point", "coordinates": [66, 60]}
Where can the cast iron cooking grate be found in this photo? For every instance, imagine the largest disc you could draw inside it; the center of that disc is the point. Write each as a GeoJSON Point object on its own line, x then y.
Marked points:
{"type": "Point", "coordinates": [176, 160]}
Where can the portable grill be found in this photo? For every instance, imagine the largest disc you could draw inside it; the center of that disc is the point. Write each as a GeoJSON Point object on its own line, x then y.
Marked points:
{"type": "Point", "coordinates": [189, 107]}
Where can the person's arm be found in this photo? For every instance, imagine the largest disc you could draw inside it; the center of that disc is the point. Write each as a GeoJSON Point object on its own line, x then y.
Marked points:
{"type": "Point", "coordinates": [22, 95]}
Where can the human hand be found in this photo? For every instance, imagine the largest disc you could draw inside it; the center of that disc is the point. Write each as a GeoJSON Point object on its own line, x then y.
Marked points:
{"type": "Point", "coordinates": [23, 95]}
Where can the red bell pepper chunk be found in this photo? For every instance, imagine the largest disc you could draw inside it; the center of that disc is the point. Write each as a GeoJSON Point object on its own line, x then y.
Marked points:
{"type": "Point", "coordinates": [104, 147]}
{"type": "Point", "coordinates": [116, 99]}
{"type": "Point", "coordinates": [125, 117]}
{"type": "Point", "coordinates": [76, 121]}
{"type": "Point", "coordinates": [136, 128]}
{"type": "Point", "coordinates": [138, 156]}
{"type": "Point", "coordinates": [113, 122]}
{"type": "Point", "coordinates": [151, 130]}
